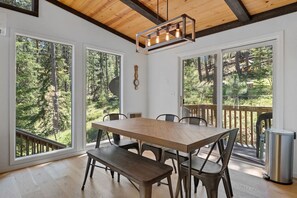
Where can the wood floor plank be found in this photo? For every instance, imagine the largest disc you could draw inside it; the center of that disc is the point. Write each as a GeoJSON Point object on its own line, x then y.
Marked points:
{"type": "Point", "coordinates": [63, 179]}
{"type": "Point", "coordinates": [8, 187]}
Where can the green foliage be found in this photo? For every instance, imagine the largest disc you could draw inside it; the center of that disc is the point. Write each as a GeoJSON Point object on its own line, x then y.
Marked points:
{"type": "Point", "coordinates": [247, 78]}
{"type": "Point", "coordinates": [43, 86]}
{"type": "Point", "coordinates": [24, 4]}
{"type": "Point", "coordinates": [199, 85]}
{"type": "Point", "coordinates": [102, 68]}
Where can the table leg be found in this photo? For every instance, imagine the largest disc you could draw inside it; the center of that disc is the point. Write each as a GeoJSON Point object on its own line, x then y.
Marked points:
{"type": "Point", "coordinates": [189, 176]}
{"type": "Point", "coordinates": [178, 172]}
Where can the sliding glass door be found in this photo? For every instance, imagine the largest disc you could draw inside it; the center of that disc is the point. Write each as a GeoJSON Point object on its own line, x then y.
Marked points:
{"type": "Point", "coordinates": [239, 86]}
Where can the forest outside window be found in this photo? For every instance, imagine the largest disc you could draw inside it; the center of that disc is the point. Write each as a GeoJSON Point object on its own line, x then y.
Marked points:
{"type": "Point", "coordinates": [43, 96]}
{"type": "Point", "coordinates": [102, 88]}
{"type": "Point", "coordinates": [24, 6]}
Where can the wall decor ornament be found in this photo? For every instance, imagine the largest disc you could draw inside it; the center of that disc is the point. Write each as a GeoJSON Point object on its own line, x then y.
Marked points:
{"type": "Point", "coordinates": [136, 81]}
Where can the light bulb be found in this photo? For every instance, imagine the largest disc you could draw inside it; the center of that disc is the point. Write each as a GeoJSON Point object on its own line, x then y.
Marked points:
{"type": "Point", "coordinates": [149, 41]}
{"type": "Point", "coordinates": [157, 37]}
{"type": "Point", "coordinates": [177, 31]}
{"type": "Point", "coordinates": [167, 36]}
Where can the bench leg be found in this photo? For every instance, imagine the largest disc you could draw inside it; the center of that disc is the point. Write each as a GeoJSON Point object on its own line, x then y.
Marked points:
{"type": "Point", "coordinates": [93, 166]}
{"type": "Point", "coordinates": [145, 191]}
{"type": "Point", "coordinates": [170, 186]}
{"type": "Point", "coordinates": [87, 172]}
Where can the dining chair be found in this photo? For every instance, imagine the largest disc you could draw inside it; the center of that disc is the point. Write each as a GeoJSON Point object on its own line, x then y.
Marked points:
{"type": "Point", "coordinates": [264, 122]}
{"type": "Point", "coordinates": [125, 143]}
{"type": "Point", "coordinates": [157, 151]}
{"type": "Point", "coordinates": [116, 140]}
{"type": "Point", "coordinates": [210, 172]}
{"type": "Point", "coordinates": [171, 153]}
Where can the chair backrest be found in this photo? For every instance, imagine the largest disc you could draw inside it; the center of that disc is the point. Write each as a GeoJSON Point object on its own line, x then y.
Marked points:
{"type": "Point", "coordinates": [225, 149]}
{"type": "Point", "coordinates": [194, 120]}
{"type": "Point", "coordinates": [264, 121]}
{"type": "Point", "coordinates": [114, 116]}
{"type": "Point", "coordinates": [168, 117]}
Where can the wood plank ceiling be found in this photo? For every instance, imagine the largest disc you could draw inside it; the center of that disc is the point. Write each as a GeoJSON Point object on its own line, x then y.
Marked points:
{"type": "Point", "coordinates": [127, 17]}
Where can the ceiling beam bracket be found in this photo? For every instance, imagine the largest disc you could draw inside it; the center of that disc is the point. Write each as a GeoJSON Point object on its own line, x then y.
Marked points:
{"type": "Point", "coordinates": [239, 10]}
{"type": "Point", "coordinates": [144, 11]}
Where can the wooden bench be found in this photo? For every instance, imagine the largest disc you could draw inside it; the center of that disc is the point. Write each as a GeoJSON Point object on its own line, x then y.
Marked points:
{"type": "Point", "coordinates": [137, 168]}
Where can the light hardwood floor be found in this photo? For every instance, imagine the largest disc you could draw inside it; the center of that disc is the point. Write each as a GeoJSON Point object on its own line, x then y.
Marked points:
{"type": "Point", "coordinates": [64, 178]}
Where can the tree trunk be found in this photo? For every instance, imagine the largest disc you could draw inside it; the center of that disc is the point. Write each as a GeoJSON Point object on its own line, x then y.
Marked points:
{"type": "Point", "coordinates": [199, 69]}
{"type": "Point", "coordinates": [206, 69]}
{"type": "Point", "coordinates": [237, 60]}
{"type": "Point", "coordinates": [54, 83]}
{"type": "Point", "coordinates": [106, 74]}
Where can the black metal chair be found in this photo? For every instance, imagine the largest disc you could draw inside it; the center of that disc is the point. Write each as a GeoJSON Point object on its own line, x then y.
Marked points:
{"type": "Point", "coordinates": [264, 122]}
{"type": "Point", "coordinates": [155, 149]}
{"type": "Point", "coordinates": [209, 172]}
{"type": "Point", "coordinates": [170, 153]}
{"type": "Point", "coordinates": [116, 140]}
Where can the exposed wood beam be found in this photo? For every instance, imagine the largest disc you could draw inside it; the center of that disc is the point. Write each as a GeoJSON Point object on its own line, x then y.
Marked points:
{"type": "Point", "coordinates": [255, 18]}
{"type": "Point", "coordinates": [91, 20]}
{"type": "Point", "coordinates": [239, 10]}
{"type": "Point", "coordinates": [144, 11]}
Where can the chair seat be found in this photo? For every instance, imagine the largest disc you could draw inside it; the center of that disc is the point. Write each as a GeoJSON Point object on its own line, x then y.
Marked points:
{"type": "Point", "coordinates": [210, 167]}
{"type": "Point", "coordinates": [126, 143]}
{"type": "Point", "coordinates": [171, 153]}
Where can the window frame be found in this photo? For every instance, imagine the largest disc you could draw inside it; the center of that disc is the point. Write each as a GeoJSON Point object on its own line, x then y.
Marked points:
{"type": "Point", "coordinates": [110, 51]}
{"type": "Point", "coordinates": [33, 12]}
{"type": "Point", "coordinates": [46, 156]}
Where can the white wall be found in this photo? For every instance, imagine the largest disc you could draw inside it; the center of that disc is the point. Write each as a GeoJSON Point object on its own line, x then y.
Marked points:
{"type": "Point", "coordinates": [57, 24]}
{"type": "Point", "coordinates": [163, 67]}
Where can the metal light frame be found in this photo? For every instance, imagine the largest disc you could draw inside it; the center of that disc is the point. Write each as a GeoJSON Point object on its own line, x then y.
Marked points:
{"type": "Point", "coordinates": [170, 26]}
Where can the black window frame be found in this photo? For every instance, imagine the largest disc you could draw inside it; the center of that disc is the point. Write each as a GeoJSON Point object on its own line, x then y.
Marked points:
{"type": "Point", "coordinates": [34, 12]}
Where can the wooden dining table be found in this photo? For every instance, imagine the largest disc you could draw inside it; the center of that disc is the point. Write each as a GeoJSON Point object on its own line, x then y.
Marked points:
{"type": "Point", "coordinates": [178, 136]}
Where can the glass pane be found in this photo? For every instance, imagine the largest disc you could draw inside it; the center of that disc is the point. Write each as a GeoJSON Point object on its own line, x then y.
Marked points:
{"type": "Point", "coordinates": [247, 90]}
{"type": "Point", "coordinates": [43, 96]}
{"type": "Point", "coordinates": [23, 4]}
{"type": "Point", "coordinates": [103, 88]}
{"type": "Point", "coordinates": [199, 88]}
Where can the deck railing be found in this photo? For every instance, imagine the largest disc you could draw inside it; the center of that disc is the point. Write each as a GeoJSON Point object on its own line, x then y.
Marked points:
{"type": "Point", "coordinates": [30, 144]}
{"type": "Point", "coordinates": [242, 117]}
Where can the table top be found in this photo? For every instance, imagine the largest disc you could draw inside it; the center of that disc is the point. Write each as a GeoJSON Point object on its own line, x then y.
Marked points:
{"type": "Point", "coordinates": [174, 135]}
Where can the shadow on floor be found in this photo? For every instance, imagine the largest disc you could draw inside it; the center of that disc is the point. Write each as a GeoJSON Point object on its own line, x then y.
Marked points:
{"type": "Point", "coordinates": [247, 154]}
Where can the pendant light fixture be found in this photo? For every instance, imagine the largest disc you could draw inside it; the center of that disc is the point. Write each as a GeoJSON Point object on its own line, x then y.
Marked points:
{"type": "Point", "coordinates": [171, 33]}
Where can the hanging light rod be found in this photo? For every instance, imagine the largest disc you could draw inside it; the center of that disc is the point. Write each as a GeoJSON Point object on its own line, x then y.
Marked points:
{"type": "Point", "coordinates": [171, 33]}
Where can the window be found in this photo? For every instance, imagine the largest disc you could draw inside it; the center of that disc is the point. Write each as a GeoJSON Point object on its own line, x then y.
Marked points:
{"type": "Point", "coordinates": [25, 6]}
{"type": "Point", "coordinates": [43, 96]}
{"type": "Point", "coordinates": [102, 88]}
{"type": "Point", "coordinates": [200, 87]}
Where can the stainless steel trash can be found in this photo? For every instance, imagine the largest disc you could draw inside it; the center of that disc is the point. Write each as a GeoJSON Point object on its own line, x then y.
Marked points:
{"type": "Point", "coordinates": [279, 155]}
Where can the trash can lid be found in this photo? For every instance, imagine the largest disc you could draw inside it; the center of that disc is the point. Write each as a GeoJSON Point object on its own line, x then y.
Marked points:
{"type": "Point", "coordinates": [281, 131]}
